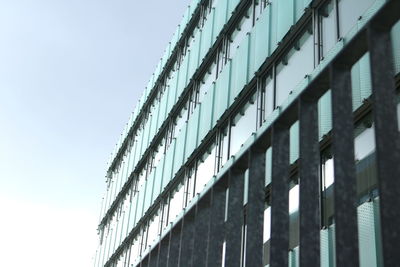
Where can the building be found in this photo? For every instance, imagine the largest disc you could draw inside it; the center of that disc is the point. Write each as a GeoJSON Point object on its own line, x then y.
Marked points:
{"type": "Point", "coordinates": [228, 157]}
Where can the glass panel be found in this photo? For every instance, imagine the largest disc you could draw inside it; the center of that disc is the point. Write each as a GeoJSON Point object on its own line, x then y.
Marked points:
{"type": "Point", "coordinates": [172, 84]}
{"type": "Point", "coordinates": [169, 158]}
{"type": "Point", "coordinates": [232, 6]}
{"type": "Point", "coordinates": [206, 114]}
{"type": "Point", "coordinates": [192, 133]}
{"type": "Point", "coordinates": [395, 33]}
{"type": "Point", "coordinates": [220, 16]}
{"type": "Point", "coordinates": [158, 178]}
{"type": "Point", "coordinates": [327, 180]}
{"type": "Point", "coordinates": [154, 227]}
{"type": "Point", "coordinates": [294, 66]}
{"type": "Point", "coordinates": [361, 81]}
{"type": "Point", "coordinates": [206, 36]}
{"type": "Point", "coordinates": [180, 149]}
{"type": "Point", "coordinates": [205, 169]}
{"type": "Point", "coordinates": [240, 69]}
{"type": "Point", "coordinates": [182, 75]}
{"type": "Point", "coordinates": [266, 234]}
{"type": "Point", "coordinates": [294, 142]}
{"type": "Point", "coordinates": [194, 54]}
{"type": "Point", "coordinates": [294, 216]}
{"type": "Point", "coordinates": [223, 146]}
{"type": "Point", "coordinates": [324, 114]}
{"type": "Point", "coordinates": [268, 166]}
{"type": "Point", "coordinates": [243, 125]}
{"type": "Point", "coordinates": [239, 34]}
{"type": "Point", "coordinates": [176, 202]}
{"type": "Point", "coordinates": [327, 23]}
{"type": "Point", "coordinates": [149, 191]}
{"type": "Point", "coordinates": [139, 209]}
{"type": "Point", "coordinates": [285, 16]}
{"type": "Point", "coordinates": [349, 13]}
{"type": "Point", "coordinates": [364, 148]}
{"type": "Point", "coordinates": [222, 92]}
{"type": "Point", "coordinates": [260, 41]}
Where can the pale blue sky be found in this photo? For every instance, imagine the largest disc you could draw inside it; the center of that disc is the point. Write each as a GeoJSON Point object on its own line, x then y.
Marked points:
{"type": "Point", "coordinates": [70, 74]}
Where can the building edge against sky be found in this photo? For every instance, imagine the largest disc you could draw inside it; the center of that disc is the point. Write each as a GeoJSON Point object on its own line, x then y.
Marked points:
{"type": "Point", "coordinates": [230, 70]}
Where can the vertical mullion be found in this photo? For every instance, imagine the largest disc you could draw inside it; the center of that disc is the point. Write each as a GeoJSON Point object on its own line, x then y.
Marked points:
{"type": "Point", "coordinates": [345, 190]}
{"type": "Point", "coordinates": [309, 184]}
{"type": "Point", "coordinates": [201, 234]}
{"type": "Point", "coordinates": [214, 255]}
{"type": "Point", "coordinates": [255, 208]}
{"type": "Point", "coordinates": [280, 197]}
{"type": "Point", "coordinates": [387, 141]}
{"type": "Point", "coordinates": [186, 250]}
{"type": "Point", "coordinates": [234, 221]}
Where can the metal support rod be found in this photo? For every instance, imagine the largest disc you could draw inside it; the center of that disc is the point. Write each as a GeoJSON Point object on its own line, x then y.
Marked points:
{"type": "Point", "coordinates": [280, 197]}
{"type": "Point", "coordinates": [255, 208]}
{"type": "Point", "coordinates": [345, 191]}
{"type": "Point", "coordinates": [387, 141]}
{"type": "Point", "coordinates": [309, 184]}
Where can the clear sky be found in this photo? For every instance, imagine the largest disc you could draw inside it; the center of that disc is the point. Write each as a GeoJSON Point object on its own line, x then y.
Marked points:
{"type": "Point", "coordinates": [70, 74]}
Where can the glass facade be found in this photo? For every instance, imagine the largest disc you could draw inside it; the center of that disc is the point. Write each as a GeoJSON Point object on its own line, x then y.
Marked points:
{"type": "Point", "coordinates": [231, 68]}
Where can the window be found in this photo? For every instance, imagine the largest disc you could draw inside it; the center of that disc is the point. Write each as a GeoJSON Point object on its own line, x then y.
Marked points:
{"type": "Point", "coordinates": [294, 214]}
{"type": "Point", "coordinates": [294, 66]}
{"type": "Point", "coordinates": [266, 234]}
{"type": "Point", "coordinates": [327, 180]}
{"type": "Point", "coordinates": [243, 124]}
{"type": "Point", "coordinates": [364, 154]}
{"type": "Point", "coordinates": [327, 28]}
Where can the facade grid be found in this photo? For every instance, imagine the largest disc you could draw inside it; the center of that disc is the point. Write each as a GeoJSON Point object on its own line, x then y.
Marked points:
{"type": "Point", "coordinates": [215, 146]}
